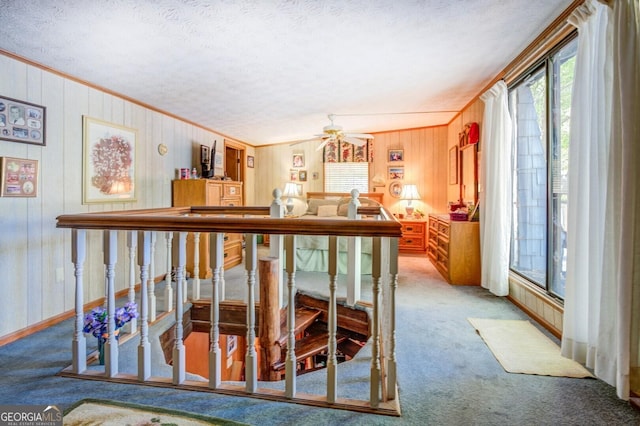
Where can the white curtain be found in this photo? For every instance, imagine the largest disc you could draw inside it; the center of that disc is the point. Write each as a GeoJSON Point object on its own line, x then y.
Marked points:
{"type": "Point", "coordinates": [495, 190]}
{"type": "Point", "coordinates": [617, 361]}
{"type": "Point", "coordinates": [588, 154]}
{"type": "Point", "coordinates": [602, 298]}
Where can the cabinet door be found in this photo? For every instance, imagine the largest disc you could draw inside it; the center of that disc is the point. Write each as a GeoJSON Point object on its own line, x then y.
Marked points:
{"type": "Point", "coordinates": [214, 193]}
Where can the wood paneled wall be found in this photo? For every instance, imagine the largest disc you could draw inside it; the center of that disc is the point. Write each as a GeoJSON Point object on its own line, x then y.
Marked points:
{"type": "Point", "coordinates": [35, 256]}
{"type": "Point", "coordinates": [425, 163]}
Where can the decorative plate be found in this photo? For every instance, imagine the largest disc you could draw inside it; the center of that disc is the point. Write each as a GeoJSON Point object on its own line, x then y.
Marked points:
{"type": "Point", "coordinates": [395, 189]}
{"type": "Point", "coordinates": [162, 149]}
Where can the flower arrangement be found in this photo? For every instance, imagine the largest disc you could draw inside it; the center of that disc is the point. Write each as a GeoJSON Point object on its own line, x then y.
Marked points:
{"type": "Point", "coordinates": [95, 322]}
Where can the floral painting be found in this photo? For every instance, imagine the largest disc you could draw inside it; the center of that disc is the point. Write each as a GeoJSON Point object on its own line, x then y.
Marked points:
{"type": "Point", "coordinates": [109, 162]}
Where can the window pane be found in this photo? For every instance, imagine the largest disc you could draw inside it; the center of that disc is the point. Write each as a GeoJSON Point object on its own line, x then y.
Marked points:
{"type": "Point", "coordinates": [563, 64]}
{"type": "Point", "coordinates": [528, 102]}
{"type": "Point", "coordinates": [343, 177]}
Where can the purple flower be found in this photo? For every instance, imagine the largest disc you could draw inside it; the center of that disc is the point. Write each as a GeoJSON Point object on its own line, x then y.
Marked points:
{"type": "Point", "coordinates": [96, 322]}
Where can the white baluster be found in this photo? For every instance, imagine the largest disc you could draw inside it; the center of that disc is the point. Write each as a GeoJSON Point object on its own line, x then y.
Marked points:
{"type": "Point", "coordinates": [110, 242]}
{"type": "Point", "coordinates": [290, 361]}
{"type": "Point", "coordinates": [251, 359]}
{"type": "Point", "coordinates": [171, 264]}
{"type": "Point", "coordinates": [144, 348]}
{"type": "Point", "coordinates": [391, 360]}
{"type": "Point", "coordinates": [132, 240]}
{"type": "Point", "coordinates": [195, 295]}
{"type": "Point", "coordinates": [152, 281]}
{"type": "Point", "coordinates": [332, 360]}
{"type": "Point", "coordinates": [374, 398]}
{"type": "Point", "coordinates": [276, 242]}
{"type": "Point", "coordinates": [78, 255]}
{"type": "Point", "coordinates": [216, 248]}
{"type": "Point", "coordinates": [354, 254]}
{"type": "Point", "coordinates": [180, 251]}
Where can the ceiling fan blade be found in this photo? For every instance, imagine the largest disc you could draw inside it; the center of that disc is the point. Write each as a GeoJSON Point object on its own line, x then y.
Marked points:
{"type": "Point", "coordinates": [355, 141]}
{"type": "Point", "coordinates": [359, 135]}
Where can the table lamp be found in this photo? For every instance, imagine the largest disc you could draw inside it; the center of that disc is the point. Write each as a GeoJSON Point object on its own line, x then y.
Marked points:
{"type": "Point", "coordinates": [290, 191]}
{"type": "Point", "coordinates": [409, 193]}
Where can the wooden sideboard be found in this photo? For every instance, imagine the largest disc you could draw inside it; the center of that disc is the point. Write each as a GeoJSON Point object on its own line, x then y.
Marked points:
{"type": "Point", "coordinates": [454, 249]}
{"type": "Point", "coordinates": [206, 192]}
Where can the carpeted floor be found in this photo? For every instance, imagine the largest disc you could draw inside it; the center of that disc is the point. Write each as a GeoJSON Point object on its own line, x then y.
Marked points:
{"type": "Point", "coordinates": [446, 373]}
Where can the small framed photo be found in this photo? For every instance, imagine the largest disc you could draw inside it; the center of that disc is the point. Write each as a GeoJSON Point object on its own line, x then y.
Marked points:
{"type": "Point", "coordinates": [22, 121]}
{"type": "Point", "coordinates": [204, 155]}
{"type": "Point", "coordinates": [19, 177]}
{"type": "Point", "coordinates": [396, 155]}
{"type": "Point", "coordinates": [250, 161]}
{"type": "Point", "coordinates": [302, 175]}
{"type": "Point", "coordinates": [396, 172]}
{"type": "Point", "coordinates": [293, 175]}
{"type": "Point", "coordinates": [232, 344]}
{"type": "Point", "coordinates": [298, 160]}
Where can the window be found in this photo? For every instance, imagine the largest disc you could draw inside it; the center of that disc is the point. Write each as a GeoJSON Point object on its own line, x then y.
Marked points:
{"type": "Point", "coordinates": [343, 177]}
{"type": "Point", "coordinates": [540, 105]}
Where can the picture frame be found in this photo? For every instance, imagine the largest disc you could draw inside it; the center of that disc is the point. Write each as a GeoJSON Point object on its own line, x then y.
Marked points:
{"type": "Point", "coordinates": [302, 175]}
{"type": "Point", "coordinates": [22, 121]}
{"type": "Point", "coordinates": [250, 161]}
{"type": "Point", "coordinates": [453, 165]}
{"type": "Point", "coordinates": [108, 162]}
{"type": "Point", "coordinates": [396, 155]}
{"type": "Point", "coordinates": [232, 344]}
{"type": "Point", "coordinates": [395, 189]}
{"type": "Point", "coordinates": [396, 172]}
{"type": "Point", "coordinates": [19, 177]}
{"type": "Point", "coordinates": [298, 160]}
{"type": "Point", "coordinates": [293, 175]}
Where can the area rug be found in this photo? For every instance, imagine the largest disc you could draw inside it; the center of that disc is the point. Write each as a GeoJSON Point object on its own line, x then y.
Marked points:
{"type": "Point", "coordinates": [103, 412]}
{"type": "Point", "coordinates": [521, 348]}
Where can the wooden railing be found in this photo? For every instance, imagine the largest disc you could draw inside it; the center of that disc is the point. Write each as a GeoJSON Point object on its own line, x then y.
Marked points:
{"type": "Point", "coordinates": [141, 228]}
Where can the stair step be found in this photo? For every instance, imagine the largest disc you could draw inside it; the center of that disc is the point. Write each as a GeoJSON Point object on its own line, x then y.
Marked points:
{"type": "Point", "coordinates": [309, 346]}
{"type": "Point", "coordinates": [304, 318]}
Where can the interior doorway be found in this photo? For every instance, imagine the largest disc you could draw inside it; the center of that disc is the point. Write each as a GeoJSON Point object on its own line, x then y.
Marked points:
{"type": "Point", "coordinates": [234, 161]}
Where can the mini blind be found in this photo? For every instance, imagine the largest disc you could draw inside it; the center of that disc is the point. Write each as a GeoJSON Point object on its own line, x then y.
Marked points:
{"type": "Point", "coordinates": [343, 177]}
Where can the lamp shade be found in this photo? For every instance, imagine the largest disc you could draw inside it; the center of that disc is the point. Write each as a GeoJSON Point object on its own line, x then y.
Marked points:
{"type": "Point", "coordinates": [290, 190]}
{"type": "Point", "coordinates": [409, 192]}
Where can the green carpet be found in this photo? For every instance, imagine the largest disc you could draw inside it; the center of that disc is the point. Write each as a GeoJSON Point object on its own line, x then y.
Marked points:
{"type": "Point", "coordinates": [104, 412]}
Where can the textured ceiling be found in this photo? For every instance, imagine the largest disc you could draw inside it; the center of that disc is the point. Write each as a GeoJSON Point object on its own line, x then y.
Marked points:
{"type": "Point", "coordinates": [270, 71]}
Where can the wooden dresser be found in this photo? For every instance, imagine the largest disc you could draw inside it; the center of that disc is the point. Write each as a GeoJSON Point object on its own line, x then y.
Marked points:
{"type": "Point", "coordinates": [454, 248]}
{"type": "Point", "coordinates": [206, 192]}
{"type": "Point", "coordinates": [413, 236]}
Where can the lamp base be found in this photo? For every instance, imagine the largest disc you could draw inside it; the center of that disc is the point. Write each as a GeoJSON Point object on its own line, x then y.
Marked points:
{"type": "Point", "coordinates": [409, 210]}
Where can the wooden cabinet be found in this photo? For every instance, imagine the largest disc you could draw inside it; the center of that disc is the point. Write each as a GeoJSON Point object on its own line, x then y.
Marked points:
{"type": "Point", "coordinates": [206, 192]}
{"type": "Point", "coordinates": [454, 248]}
{"type": "Point", "coordinates": [413, 236]}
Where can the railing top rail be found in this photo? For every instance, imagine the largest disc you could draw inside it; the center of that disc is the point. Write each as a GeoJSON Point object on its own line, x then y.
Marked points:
{"type": "Point", "coordinates": [233, 220]}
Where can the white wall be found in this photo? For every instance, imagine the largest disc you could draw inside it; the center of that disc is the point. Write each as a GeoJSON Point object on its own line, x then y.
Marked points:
{"type": "Point", "coordinates": [35, 256]}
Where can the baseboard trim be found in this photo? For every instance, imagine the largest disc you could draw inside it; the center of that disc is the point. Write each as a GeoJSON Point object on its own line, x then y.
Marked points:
{"type": "Point", "coordinates": [39, 326]}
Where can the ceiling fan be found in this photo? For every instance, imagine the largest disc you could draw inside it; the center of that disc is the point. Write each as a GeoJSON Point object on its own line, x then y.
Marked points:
{"type": "Point", "coordinates": [334, 133]}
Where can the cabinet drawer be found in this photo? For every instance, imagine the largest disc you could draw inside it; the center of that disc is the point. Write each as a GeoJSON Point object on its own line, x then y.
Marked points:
{"type": "Point", "coordinates": [433, 223]}
{"type": "Point", "coordinates": [232, 238]}
{"type": "Point", "coordinates": [443, 244]}
{"type": "Point", "coordinates": [231, 201]}
{"type": "Point", "coordinates": [415, 242]}
{"type": "Point", "coordinates": [432, 251]}
{"type": "Point", "coordinates": [232, 190]}
{"type": "Point", "coordinates": [232, 254]}
{"type": "Point", "coordinates": [413, 228]}
{"type": "Point", "coordinates": [443, 228]}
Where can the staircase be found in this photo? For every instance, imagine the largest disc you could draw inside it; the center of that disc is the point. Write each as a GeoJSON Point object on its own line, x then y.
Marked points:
{"type": "Point", "coordinates": [310, 331]}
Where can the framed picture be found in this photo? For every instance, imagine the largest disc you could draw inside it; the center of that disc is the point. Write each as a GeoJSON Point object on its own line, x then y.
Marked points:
{"type": "Point", "coordinates": [22, 121]}
{"type": "Point", "coordinates": [298, 160]}
{"type": "Point", "coordinates": [395, 189]}
{"type": "Point", "coordinates": [396, 155]}
{"type": "Point", "coordinates": [232, 344]}
{"type": "Point", "coordinates": [331, 152]}
{"type": "Point", "coordinates": [19, 177]}
{"type": "Point", "coordinates": [302, 175]}
{"type": "Point", "coordinates": [453, 165]}
{"type": "Point", "coordinates": [250, 161]}
{"type": "Point", "coordinates": [293, 175]}
{"type": "Point", "coordinates": [108, 163]}
{"type": "Point", "coordinates": [396, 172]}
